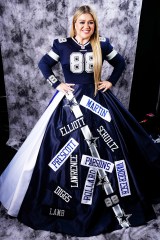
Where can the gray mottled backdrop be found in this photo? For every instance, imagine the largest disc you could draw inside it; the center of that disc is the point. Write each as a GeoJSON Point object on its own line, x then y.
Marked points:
{"type": "Point", "coordinates": [27, 32]}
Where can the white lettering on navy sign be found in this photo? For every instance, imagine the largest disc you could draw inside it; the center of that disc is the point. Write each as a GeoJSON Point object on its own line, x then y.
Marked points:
{"type": "Point", "coordinates": [62, 194]}
{"type": "Point", "coordinates": [74, 171]}
{"type": "Point", "coordinates": [89, 187]}
{"type": "Point", "coordinates": [97, 163]}
{"type": "Point", "coordinates": [56, 212]}
{"type": "Point", "coordinates": [95, 107]}
{"type": "Point", "coordinates": [63, 154]}
{"type": "Point", "coordinates": [107, 138]}
{"type": "Point", "coordinates": [122, 177]}
{"type": "Point", "coordinates": [78, 123]}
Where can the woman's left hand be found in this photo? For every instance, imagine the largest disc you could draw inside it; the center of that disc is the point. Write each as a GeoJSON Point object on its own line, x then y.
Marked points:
{"type": "Point", "coordinates": [104, 85]}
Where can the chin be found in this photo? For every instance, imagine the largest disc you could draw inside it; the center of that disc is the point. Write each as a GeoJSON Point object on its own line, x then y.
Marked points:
{"type": "Point", "coordinates": [86, 36]}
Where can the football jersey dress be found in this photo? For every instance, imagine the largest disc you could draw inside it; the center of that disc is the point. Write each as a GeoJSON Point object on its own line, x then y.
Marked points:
{"type": "Point", "coordinates": [87, 167]}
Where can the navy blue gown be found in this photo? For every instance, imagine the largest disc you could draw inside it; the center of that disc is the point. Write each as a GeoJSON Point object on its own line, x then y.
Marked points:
{"type": "Point", "coordinates": [66, 193]}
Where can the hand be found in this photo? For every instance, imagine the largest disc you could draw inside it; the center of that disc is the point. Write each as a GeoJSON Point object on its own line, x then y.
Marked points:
{"type": "Point", "coordinates": [65, 87]}
{"type": "Point", "coordinates": [104, 85]}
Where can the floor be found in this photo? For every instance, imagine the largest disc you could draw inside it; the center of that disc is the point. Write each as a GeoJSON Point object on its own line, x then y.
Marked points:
{"type": "Point", "coordinates": [11, 229]}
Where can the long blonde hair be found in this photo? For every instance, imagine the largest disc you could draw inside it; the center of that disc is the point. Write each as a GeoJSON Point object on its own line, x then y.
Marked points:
{"type": "Point", "coordinates": [94, 40]}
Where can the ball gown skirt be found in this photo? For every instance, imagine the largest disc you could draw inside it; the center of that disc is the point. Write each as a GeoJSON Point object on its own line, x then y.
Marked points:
{"type": "Point", "coordinates": [54, 182]}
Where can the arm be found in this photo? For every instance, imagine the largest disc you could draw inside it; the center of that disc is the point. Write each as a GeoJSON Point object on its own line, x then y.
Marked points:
{"type": "Point", "coordinates": [117, 61]}
{"type": "Point", "coordinates": [45, 65]}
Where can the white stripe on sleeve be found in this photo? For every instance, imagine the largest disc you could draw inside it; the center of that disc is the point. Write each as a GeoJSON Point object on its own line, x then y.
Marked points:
{"type": "Point", "coordinates": [111, 55]}
{"type": "Point", "coordinates": [53, 55]}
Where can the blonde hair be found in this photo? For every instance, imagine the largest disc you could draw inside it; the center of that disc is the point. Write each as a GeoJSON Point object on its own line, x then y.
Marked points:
{"type": "Point", "coordinates": [94, 40]}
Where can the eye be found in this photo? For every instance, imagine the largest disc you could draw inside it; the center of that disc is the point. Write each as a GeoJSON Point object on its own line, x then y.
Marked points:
{"type": "Point", "coordinates": [91, 23]}
{"type": "Point", "coordinates": [81, 22]}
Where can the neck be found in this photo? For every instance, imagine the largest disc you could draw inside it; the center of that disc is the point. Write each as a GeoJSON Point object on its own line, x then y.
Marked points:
{"type": "Point", "coordinates": [81, 40]}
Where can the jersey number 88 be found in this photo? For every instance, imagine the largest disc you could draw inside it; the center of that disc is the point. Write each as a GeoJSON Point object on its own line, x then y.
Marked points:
{"type": "Point", "coordinates": [80, 62]}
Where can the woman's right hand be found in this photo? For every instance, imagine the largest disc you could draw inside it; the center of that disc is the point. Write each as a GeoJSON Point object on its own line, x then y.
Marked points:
{"type": "Point", "coordinates": [65, 87]}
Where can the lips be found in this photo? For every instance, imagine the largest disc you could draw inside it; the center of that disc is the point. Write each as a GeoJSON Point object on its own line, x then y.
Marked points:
{"type": "Point", "coordinates": [86, 31]}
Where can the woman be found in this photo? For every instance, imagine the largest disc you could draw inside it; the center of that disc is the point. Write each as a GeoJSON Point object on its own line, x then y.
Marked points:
{"type": "Point", "coordinates": [82, 173]}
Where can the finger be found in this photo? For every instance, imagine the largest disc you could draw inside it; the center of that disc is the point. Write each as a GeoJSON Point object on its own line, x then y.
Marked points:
{"type": "Point", "coordinates": [70, 84]}
{"type": "Point", "coordinates": [101, 87]}
{"type": "Point", "coordinates": [105, 89]}
{"type": "Point", "coordinates": [71, 88]}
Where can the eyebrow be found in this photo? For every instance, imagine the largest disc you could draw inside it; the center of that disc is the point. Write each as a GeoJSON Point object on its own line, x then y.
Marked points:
{"type": "Point", "coordinates": [86, 20]}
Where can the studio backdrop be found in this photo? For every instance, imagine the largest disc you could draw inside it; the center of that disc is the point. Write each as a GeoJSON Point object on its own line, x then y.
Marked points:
{"type": "Point", "coordinates": [27, 32]}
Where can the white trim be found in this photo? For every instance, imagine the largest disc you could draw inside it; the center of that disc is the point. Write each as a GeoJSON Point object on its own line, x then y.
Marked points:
{"type": "Point", "coordinates": [53, 55]}
{"type": "Point", "coordinates": [81, 45]}
{"type": "Point", "coordinates": [111, 55]}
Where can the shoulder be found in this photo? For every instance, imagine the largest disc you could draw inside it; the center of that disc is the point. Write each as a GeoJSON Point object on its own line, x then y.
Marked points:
{"type": "Point", "coordinates": [104, 41]}
{"type": "Point", "coordinates": [61, 40]}
{"type": "Point", "coordinates": [60, 44]}
{"type": "Point", "coordinates": [105, 44]}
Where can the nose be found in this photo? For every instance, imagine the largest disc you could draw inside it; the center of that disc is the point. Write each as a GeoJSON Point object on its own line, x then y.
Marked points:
{"type": "Point", "coordinates": [87, 25]}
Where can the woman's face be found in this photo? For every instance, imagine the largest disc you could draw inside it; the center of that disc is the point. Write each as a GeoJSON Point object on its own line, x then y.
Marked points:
{"type": "Point", "coordinates": [84, 26]}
